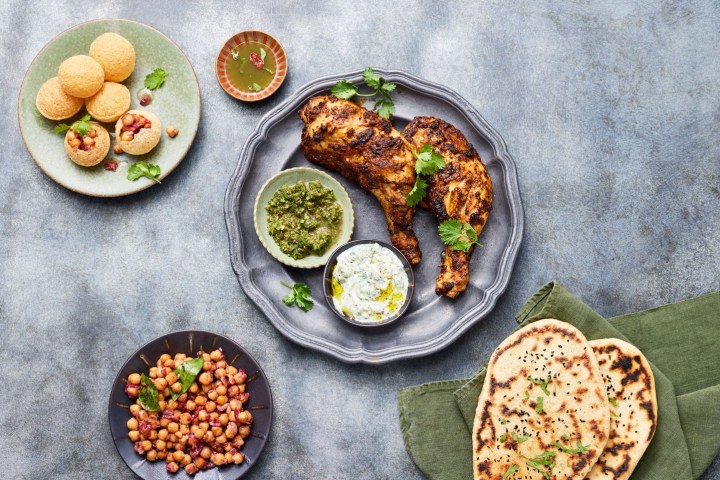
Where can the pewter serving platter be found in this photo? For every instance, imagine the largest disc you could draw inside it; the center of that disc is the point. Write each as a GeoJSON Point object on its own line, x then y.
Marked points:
{"type": "Point", "coordinates": [431, 323]}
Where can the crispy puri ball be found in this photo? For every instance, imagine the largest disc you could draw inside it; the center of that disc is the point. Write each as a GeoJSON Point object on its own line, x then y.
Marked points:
{"type": "Point", "coordinates": [115, 54]}
{"type": "Point", "coordinates": [93, 156]}
{"type": "Point", "coordinates": [54, 104]}
{"type": "Point", "coordinates": [81, 76]}
{"type": "Point", "coordinates": [109, 103]}
{"type": "Point", "coordinates": [134, 140]}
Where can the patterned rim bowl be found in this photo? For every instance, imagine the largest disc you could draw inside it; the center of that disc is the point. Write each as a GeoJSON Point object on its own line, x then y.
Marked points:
{"type": "Point", "coordinates": [225, 55]}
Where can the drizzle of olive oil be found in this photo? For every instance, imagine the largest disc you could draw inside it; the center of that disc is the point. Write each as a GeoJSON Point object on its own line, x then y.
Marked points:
{"type": "Point", "coordinates": [241, 71]}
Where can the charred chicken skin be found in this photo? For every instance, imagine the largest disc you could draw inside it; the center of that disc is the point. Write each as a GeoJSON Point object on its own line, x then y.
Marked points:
{"type": "Point", "coordinates": [365, 148]}
{"type": "Point", "coordinates": [462, 190]}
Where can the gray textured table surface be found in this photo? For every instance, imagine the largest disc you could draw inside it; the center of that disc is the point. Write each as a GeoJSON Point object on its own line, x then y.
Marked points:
{"type": "Point", "coordinates": [611, 110]}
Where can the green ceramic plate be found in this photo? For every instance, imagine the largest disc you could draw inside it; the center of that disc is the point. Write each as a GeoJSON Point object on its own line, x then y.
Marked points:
{"type": "Point", "coordinates": [176, 103]}
{"type": "Point", "coordinates": [292, 176]}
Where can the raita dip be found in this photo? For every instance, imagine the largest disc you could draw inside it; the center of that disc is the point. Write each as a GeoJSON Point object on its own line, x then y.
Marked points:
{"type": "Point", "coordinates": [369, 283]}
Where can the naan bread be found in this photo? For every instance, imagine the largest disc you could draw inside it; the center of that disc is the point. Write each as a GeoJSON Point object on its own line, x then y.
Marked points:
{"type": "Point", "coordinates": [633, 406]}
{"type": "Point", "coordinates": [543, 412]}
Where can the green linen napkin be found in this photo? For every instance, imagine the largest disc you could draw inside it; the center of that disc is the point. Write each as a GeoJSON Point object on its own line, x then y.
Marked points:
{"type": "Point", "coordinates": [682, 343]}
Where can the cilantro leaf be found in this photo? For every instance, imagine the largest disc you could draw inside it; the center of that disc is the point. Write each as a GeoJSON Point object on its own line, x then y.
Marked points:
{"type": "Point", "coordinates": [187, 373]}
{"type": "Point", "coordinates": [534, 465]}
{"type": "Point", "coordinates": [503, 421]}
{"type": "Point", "coordinates": [613, 401]}
{"type": "Point", "coordinates": [417, 193]}
{"type": "Point", "coordinates": [510, 471]}
{"type": "Point", "coordinates": [458, 235]}
{"type": "Point", "coordinates": [148, 395]}
{"type": "Point", "coordinates": [580, 448]}
{"type": "Point", "coordinates": [299, 295]}
{"type": "Point", "coordinates": [503, 437]}
{"type": "Point", "coordinates": [388, 87]}
{"type": "Point", "coordinates": [142, 169]}
{"type": "Point", "coordinates": [386, 108]}
{"type": "Point", "coordinates": [82, 126]}
{"type": "Point", "coordinates": [61, 127]}
{"type": "Point", "coordinates": [263, 54]}
{"type": "Point", "coordinates": [427, 162]}
{"type": "Point", "coordinates": [371, 78]}
{"type": "Point", "coordinates": [541, 383]}
{"type": "Point", "coordinates": [518, 438]}
{"type": "Point", "coordinates": [243, 64]}
{"type": "Point", "coordinates": [254, 87]}
{"type": "Point", "coordinates": [539, 407]}
{"type": "Point", "coordinates": [344, 89]}
{"type": "Point", "coordinates": [156, 78]}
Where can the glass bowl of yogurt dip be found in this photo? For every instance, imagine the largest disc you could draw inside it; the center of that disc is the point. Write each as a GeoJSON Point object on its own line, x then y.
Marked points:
{"type": "Point", "coordinates": [368, 283]}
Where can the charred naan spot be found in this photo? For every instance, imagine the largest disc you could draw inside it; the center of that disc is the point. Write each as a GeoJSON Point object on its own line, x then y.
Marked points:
{"type": "Point", "coordinates": [484, 467]}
{"type": "Point", "coordinates": [581, 391]}
{"type": "Point", "coordinates": [631, 377]}
{"type": "Point", "coordinates": [623, 363]}
{"type": "Point", "coordinates": [648, 407]}
{"type": "Point", "coordinates": [484, 421]}
{"type": "Point", "coordinates": [579, 466]}
{"type": "Point", "coordinates": [547, 340]}
{"type": "Point", "coordinates": [599, 433]}
{"type": "Point", "coordinates": [618, 448]}
{"type": "Point", "coordinates": [494, 384]}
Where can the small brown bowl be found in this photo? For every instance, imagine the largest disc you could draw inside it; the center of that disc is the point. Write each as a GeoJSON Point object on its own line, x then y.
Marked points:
{"type": "Point", "coordinates": [225, 56]}
{"type": "Point", "coordinates": [327, 283]}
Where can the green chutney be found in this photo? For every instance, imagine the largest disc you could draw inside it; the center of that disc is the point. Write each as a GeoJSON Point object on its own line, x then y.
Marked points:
{"type": "Point", "coordinates": [304, 219]}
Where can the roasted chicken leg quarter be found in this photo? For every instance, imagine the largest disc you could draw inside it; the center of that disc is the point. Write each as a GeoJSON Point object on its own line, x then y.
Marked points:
{"type": "Point", "coordinates": [462, 190]}
{"type": "Point", "coordinates": [365, 148]}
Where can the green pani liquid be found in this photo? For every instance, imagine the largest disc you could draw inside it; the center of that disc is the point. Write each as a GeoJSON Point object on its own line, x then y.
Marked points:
{"type": "Point", "coordinates": [243, 74]}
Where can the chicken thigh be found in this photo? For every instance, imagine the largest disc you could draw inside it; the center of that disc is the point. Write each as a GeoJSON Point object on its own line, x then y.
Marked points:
{"type": "Point", "coordinates": [462, 190]}
{"type": "Point", "coordinates": [365, 148]}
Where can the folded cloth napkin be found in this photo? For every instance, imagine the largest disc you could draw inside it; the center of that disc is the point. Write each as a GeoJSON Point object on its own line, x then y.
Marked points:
{"type": "Point", "coordinates": [682, 343]}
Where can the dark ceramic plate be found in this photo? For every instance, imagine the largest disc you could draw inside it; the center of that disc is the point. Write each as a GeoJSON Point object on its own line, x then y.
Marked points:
{"type": "Point", "coordinates": [189, 342]}
{"type": "Point", "coordinates": [431, 323]}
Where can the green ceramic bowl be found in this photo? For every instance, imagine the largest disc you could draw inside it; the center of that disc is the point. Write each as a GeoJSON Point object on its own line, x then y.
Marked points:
{"type": "Point", "coordinates": [176, 103]}
{"type": "Point", "coordinates": [292, 176]}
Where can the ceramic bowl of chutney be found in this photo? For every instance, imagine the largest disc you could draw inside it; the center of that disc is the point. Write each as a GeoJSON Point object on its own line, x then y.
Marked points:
{"type": "Point", "coordinates": [251, 66]}
{"type": "Point", "coordinates": [301, 215]}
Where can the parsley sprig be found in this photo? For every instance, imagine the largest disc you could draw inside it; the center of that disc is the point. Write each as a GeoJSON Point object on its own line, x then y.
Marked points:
{"type": "Point", "coordinates": [81, 127]}
{"type": "Point", "coordinates": [299, 295]}
{"type": "Point", "coordinates": [460, 236]}
{"type": "Point", "coordinates": [384, 105]}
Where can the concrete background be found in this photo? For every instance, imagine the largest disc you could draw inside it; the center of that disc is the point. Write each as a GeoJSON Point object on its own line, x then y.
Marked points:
{"type": "Point", "coordinates": [611, 110]}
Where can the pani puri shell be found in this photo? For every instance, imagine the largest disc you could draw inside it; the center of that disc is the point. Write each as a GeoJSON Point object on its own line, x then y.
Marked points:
{"type": "Point", "coordinates": [90, 158]}
{"type": "Point", "coordinates": [144, 140]}
{"type": "Point", "coordinates": [54, 104]}
{"type": "Point", "coordinates": [81, 76]}
{"type": "Point", "coordinates": [109, 103]}
{"type": "Point", "coordinates": [115, 54]}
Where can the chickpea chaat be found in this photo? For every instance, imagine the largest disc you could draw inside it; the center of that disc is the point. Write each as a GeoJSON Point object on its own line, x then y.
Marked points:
{"type": "Point", "coordinates": [190, 412]}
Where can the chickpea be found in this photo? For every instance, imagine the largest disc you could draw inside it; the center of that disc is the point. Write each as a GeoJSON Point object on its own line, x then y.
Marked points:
{"type": "Point", "coordinates": [127, 137]}
{"type": "Point", "coordinates": [200, 401]}
{"type": "Point", "coordinates": [178, 455]}
{"type": "Point", "coordinates": [208, 437]}
{"type": "Point", "coordinates": [185, 418]}
{"type": "Point", "coordinates": [169, 362]}
{"type": "Point", "coordinates": [240, 378]}
{"type": "Point", "coordinates": [151, 455]}
{"type": "Point", "coordinates": [221, 364]}
{"type": "Point", "coordinates": [244, 417]}
{"type": "Point", "coordinates": [213, 395]}
{"type": "Point", "coordinates": [164, 357]}
{"type": "Point", "coordinates": [178, 437]}
{"type": "Point", "coordinates": [241, 388]}
{"type": "Point", "coordinates": [202, 415]}
{"type": "Point", "coordinates": [210, 406]}
{"type": "Point", "coordinates": [162, 455]}
{"type": "Point", "coordinates": [244, 431]}
{"type": "Point", "coordinates": [200, 432]}
{"type": "Point", "coordinates": [171, 378]}
{"type": "Point", "coordinates": [142, 415]}
{"type": "Point", "coordinates": [205, 378]}
{"type": "Point", "coordinates": [184, 429]}
{"type": "Point", "coordinates": [132, 424]}
{"type": "Point", "coordinates": [164, 422]}
{"type": "Point", "coordinates": [172, 131]}
{"type": "Point", "coordinates": [238, 458]}
{"type": "Point", "coordinates": [216, 355]}
{"type": "Point", "coordinates": [191, 469]}
{"type": "Point", "coordinates": [172, 405]}
{"type": "Point", "coordinates": [152, 435]}
{"type": "Point", "coordinates": [172, 467]}
{"type": "Point", "coordinates": [219, 373]}
{"type": "Point", "coordinates": [193, 388]}
{"type": "Point", "coordinates": [176, 387]}
{"type": "Point", "coordinates": [231, 370]}
{"type": "Point", "coordinates": [200, 462]}
{"type": "Point", "coordinates": [162, 403]}
{"type": "Point", "coordinates": [207, 365]}
{"type": "Point", "coordinates": [137, 118]}
{"type": "Point", "coordinates": [135, 408]}
{"type": "Point", "coordinates": [75, 142]}
{"type": "Point", "coordinates": [134, 435]}
{"type": "Point", "coordinates": [160, 383]}
{"type": "Point", "coordinates": [216, 431]}
{"type": "Point", "coordinates": [205, 452]}
{"type": "Point", "coordinates": [172, 427]}
{"type": "Point", "coordinates": [221, 438]}
{"type": "Point", "coordinates": [71, 135]}
{"type": "Point", "coordinates": [190, 406]}
{"type": "Point", "coordinates": [128, 119]}
{"type": "Point", "coordinates": [134, 378]}
{"type": "Point", "coordinates": [160, 445]}
{"type": "Point", "coordinates": [221, 389]}
{"type": "Point", "coordinates": [92, 133]}
{"type": "Point", "coordinates": [222, 400]}
{"type": "Point", "coordinates": [204, 425]}
{"type": "Point", "coordinates": [187, 460]}
{"type": "Point", "coordinates": [223, 419]}
{"type": "Point", "coordinates": [218, 458]}
{"type": "Point", "coordinates": [146, 445]}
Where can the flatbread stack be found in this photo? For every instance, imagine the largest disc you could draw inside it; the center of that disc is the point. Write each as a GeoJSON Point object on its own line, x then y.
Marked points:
{"type": "Point", "coordinates": [547, 409]}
